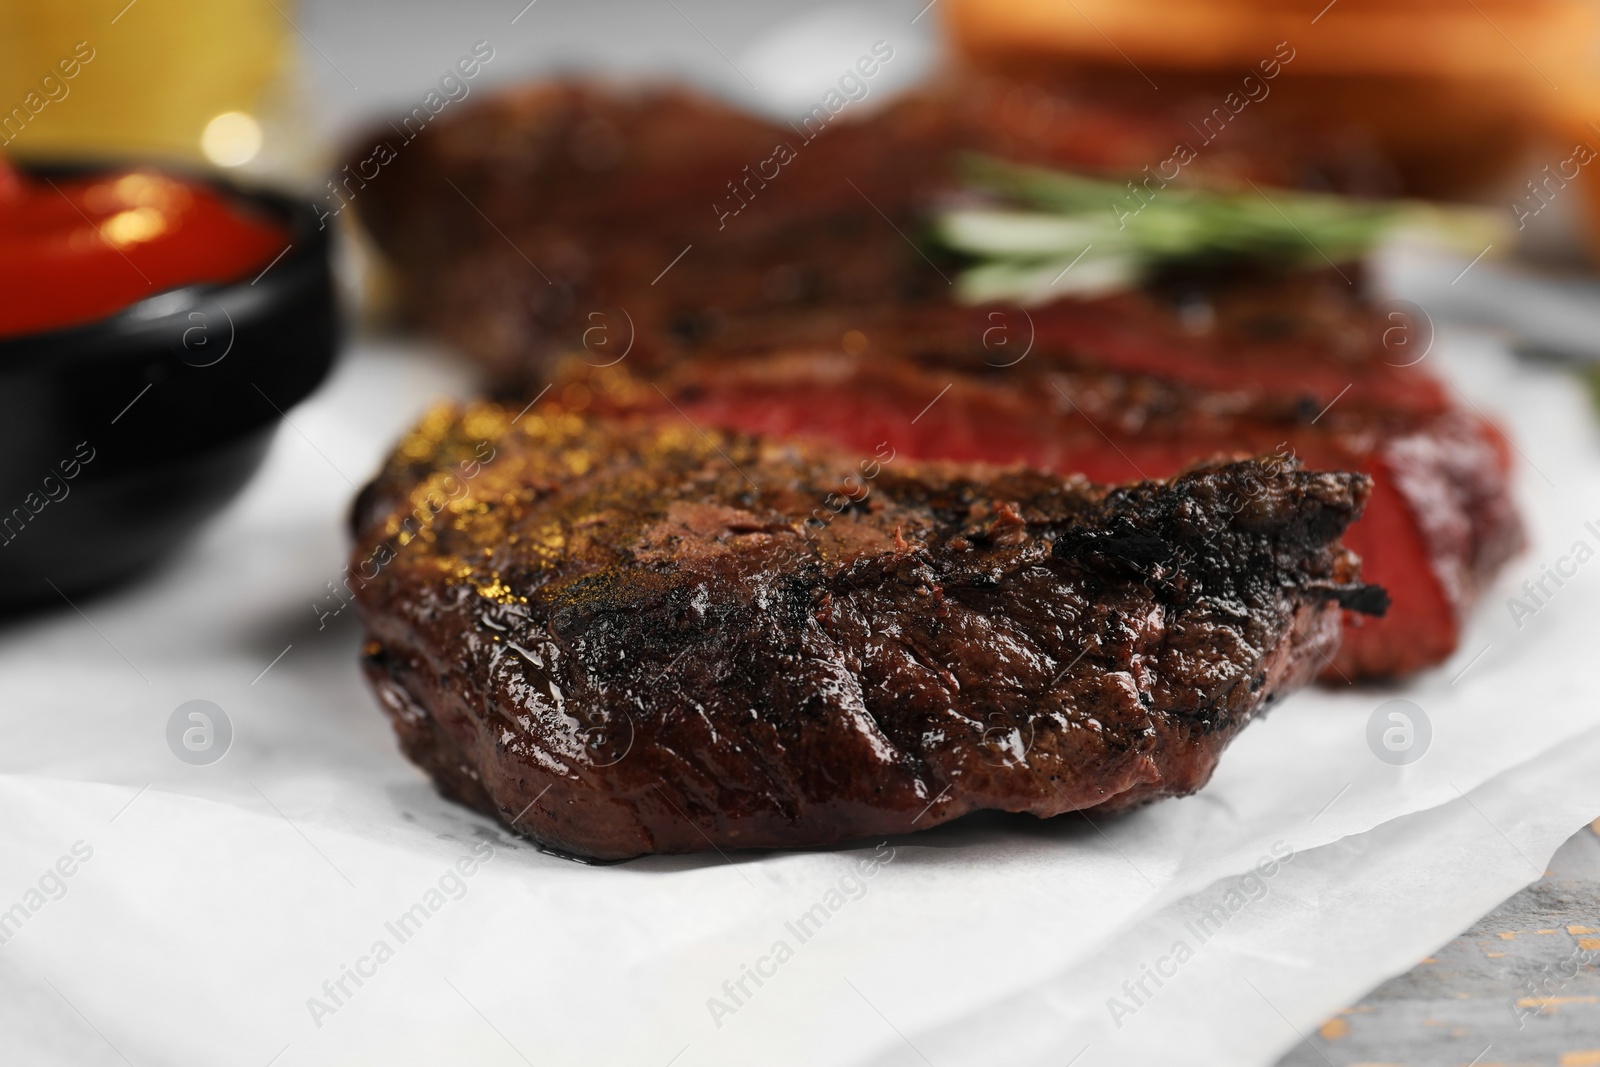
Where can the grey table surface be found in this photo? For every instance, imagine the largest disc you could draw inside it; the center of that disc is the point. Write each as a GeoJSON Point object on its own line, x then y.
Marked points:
{"type": "Point", "coordinates": [1520, 987]}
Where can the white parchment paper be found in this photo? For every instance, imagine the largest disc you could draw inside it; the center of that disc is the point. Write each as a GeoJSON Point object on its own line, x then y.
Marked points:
{"type": "Point", "coordinates": [223, 909]}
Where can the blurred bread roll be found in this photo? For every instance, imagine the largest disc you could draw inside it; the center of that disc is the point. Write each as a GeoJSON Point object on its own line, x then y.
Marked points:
{"type": "Point", "coordinates": [1455, 93]}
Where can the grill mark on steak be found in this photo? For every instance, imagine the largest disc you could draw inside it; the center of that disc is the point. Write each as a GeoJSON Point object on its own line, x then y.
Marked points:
{"type": "Point", "coordinates": [612, 611]}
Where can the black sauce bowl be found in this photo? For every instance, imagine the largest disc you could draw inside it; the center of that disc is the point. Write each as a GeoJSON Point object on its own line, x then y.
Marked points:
{"type": "Point", "coordinates": [120, 436]}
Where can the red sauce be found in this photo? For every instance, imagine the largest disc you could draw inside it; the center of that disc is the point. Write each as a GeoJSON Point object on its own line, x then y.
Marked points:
{"type": "Point", "coordinates": [82, 249]}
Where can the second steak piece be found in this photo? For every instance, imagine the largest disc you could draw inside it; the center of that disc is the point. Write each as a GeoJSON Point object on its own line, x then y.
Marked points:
{"type": "Point", "coordinates": [1438, 525]}
{"type": "Point", "coordinates": [623, 636]}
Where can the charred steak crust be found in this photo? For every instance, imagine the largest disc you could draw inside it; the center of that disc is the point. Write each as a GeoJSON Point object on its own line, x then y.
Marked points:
{"type": "Point", "coordinates": [621, 636]}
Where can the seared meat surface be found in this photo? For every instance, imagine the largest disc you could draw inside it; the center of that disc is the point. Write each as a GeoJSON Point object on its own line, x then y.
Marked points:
{"type": "Point", "coordinates": [622, 635]}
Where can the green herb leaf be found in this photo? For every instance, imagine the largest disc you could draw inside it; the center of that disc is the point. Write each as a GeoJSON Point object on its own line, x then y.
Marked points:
{"type": "Point", "coordinates": [1072, 234]}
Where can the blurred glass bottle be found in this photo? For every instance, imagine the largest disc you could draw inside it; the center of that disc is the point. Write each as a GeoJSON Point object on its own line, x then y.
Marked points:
{"type": "Point", "coordinates": [193, 80]}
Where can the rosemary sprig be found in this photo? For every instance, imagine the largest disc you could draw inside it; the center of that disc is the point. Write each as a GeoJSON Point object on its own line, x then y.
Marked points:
{"type": "Point", "coordinates": [1062, 233]}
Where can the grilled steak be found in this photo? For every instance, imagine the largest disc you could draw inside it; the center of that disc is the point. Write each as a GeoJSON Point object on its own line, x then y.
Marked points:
{"type": "Point", "coordinates": [568, 200]}
{"type": "Point", "coordinates": [621, 635]}
{"type": "Point", "coordinates": [642, 224]}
